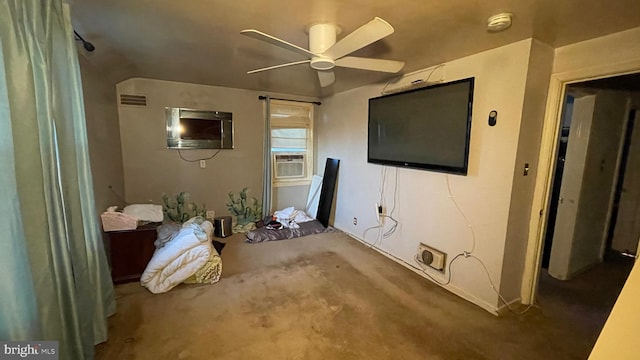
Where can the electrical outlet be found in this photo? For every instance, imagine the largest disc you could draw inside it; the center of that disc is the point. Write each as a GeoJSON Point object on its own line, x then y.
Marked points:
{"type": "Point", "coordinates": [379, 212]}
{"type": "Point", "coordinates": [210, 214]}
{"type": "Point", "coordinates": [431, 257]}
{"type": "Point", "coordinates": [355, 220]}
{"type": "Point", "coordinates": [203, 164]}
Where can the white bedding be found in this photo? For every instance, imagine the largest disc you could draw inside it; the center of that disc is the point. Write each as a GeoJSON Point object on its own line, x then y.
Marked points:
{"type": "Point", "coordinates": [290, 217]}
{"type": "Point", "coordinates": [179, 258]}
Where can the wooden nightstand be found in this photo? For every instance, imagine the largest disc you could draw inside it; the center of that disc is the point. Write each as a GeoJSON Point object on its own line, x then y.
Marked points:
{"type": "Point", "coordinates": [131, 251]}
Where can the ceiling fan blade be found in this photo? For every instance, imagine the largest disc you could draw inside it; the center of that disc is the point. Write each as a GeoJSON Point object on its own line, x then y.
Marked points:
{"type": "Point", "coordinates": [389, 66]}
{"type": "Point", "coordinates": [277, 42]}
{"type": "Point", "coordinates": [326, 77]}
{"type": "Point", "coordinates": [278, 66]}
{"type": "Point", "coordinates": [368, 33]}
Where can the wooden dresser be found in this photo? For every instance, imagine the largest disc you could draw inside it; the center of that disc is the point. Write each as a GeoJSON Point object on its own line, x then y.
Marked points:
{"type": "Point", "coordinates": [131, 250]}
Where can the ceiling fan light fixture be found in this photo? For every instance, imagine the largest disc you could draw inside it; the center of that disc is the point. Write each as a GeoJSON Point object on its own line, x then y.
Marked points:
{"type": "Point", "coordinates": [322, 63]}
{"type": "Point", "coordinates": [499, 22]}
{"type": "Point", "coordinates": [322, 36]}
{"type": "Point", "coordinates": [325, 53]}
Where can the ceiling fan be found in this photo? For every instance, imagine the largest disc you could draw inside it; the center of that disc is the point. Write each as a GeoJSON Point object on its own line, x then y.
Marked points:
{"type": "Point", "coordinates": [324, 52]}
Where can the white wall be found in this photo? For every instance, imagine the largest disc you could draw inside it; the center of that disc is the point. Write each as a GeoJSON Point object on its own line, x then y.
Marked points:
{"type": "Point", "coordinates": [613, 54]}
{"type": "Point", "coordinates": [423, 207]}
{"type": "Point", "coordinates": [602, 53]}
{"type": "Point", "coordinates": [286, 196]}
{"type": "Point", "coordinates": [535, 97]}
{"type": "Point", "coordinates": [103, 136]}
{"type": "Point", "coordinates": [620, 333]}
{"type": "Point", "coordinates": [150, 169]}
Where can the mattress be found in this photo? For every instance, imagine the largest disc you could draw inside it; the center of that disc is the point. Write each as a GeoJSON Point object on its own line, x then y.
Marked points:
{"type": "Point", "coordinates": [266, 234]}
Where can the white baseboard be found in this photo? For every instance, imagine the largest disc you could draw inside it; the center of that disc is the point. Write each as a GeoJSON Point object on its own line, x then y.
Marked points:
{"type": "Point", "coordinates": [451, 288]}
{"type": "Point", "coordinates": [506, 308]}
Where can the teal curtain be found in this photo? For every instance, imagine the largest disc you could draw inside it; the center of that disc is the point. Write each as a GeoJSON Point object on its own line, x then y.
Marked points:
{"type": "Point", "coordinates": [53, 271]}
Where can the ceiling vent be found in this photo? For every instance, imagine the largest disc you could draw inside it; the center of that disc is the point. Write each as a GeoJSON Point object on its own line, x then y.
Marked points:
{"type": "Point", "coordinates": [135, 100]}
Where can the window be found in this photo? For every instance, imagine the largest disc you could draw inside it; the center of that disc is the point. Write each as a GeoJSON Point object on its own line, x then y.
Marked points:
{"type": "Point", "coordinates": [291, 142]}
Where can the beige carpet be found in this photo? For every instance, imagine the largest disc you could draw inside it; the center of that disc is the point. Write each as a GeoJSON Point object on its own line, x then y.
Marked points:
{"type": "Point", "coordinates": [323, 297]}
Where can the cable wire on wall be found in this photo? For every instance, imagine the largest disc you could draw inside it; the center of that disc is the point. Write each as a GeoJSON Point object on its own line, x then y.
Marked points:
{"type": "Point", "coordinates": [393, 228]}
{"type": "Point", "coordinates": [380, 202]}
{"type": "Point", "coordinates": [466, 255]}
{"type": "Point", "coordinates": [455, 203]}
{"type": "Point", "coordinates": [449, 267]}
{"type": "Point", "coordinates": [200, 159]}
{"type": "Point", "coordinates": [118, 195]}
{"type": "Point", "coordinates": [380, 216]}
{"type": "Point", "coordinates": [364, 235]}
{"type": "Point", "coordinates": [486, 271]}
{"type": "Point", "coordinates": [422, 268]}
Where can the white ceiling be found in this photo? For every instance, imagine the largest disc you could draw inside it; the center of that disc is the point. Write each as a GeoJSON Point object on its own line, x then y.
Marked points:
{"type": "Point", "coordinates": [199, 41]}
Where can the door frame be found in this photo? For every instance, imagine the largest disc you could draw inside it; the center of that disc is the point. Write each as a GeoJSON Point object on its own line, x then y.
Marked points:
{"type": "Point", "coordinates": [546, 164]}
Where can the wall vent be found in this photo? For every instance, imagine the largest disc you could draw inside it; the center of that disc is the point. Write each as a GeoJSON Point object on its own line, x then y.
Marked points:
{"type": "Point", "coordinates": [136, 100]}
{"type": "Point", "coordinates": [431, 257]}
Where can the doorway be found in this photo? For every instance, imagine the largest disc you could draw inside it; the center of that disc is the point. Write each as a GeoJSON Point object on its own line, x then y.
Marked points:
{"type": "Point", "coordinates": [587, 290]}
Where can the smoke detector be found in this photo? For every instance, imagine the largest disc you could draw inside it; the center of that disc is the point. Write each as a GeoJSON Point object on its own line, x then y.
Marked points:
{"type": "Point", "coordinates": [499, 22]}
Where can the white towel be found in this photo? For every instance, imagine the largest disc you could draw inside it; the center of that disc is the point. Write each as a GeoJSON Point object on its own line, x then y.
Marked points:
{"type": "Point", "coordinates": [290, 217]}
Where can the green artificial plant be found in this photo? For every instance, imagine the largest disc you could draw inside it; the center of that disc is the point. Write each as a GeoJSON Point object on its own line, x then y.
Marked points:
{"type": "Point", "coordinates": [245, 210]}
{"type": "Point", "coordinates": [180, 209]}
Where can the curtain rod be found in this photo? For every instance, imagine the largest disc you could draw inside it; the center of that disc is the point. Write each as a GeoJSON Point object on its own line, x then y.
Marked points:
{"type": "Point", "coordinates": [262, 97]}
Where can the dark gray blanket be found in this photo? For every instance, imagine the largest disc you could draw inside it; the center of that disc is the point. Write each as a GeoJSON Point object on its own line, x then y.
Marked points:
{"type": "Point", "coordinates": [265, 234]}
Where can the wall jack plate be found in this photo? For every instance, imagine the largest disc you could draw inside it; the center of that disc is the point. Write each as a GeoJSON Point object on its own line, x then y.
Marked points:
{"type": "Point", "coordinates": [431, 257]}
{"type": "Point", "coordinates": [379, 213]}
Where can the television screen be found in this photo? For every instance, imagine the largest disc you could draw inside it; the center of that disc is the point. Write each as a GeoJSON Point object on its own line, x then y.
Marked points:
{"type": "Point", "coordinates": [427, 128]}
{"type": "Point", "coordinates": [198, 129]}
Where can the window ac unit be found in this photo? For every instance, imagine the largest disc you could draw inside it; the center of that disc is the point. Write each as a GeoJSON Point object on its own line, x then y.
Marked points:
{"type": "Point", "coordinates": [289, 166]}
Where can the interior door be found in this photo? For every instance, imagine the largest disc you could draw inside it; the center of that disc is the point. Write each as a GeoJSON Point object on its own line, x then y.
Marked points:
{"type": "Point", "coordinates": [627, 225]}
{"type": "Point", "coordinates": [588, 182]}
{"type": "Point", "coordinates": [577, 144]}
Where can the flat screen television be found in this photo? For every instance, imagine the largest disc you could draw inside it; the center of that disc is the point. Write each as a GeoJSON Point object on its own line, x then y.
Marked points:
{"type": "Point", "coordinates": [427, 128]}
{"type": "Point", "coordinates": [198, 129]}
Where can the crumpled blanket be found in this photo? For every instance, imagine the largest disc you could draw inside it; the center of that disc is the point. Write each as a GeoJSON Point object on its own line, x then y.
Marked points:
{"type": "Point", "coordinates": [187, 256]}
{"type": "Point", "coordinates": [306, 228]}
{"type": "Point", "coordinates": [290, 217]}
{"type": "Point", "coordinates": [166, 233]}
